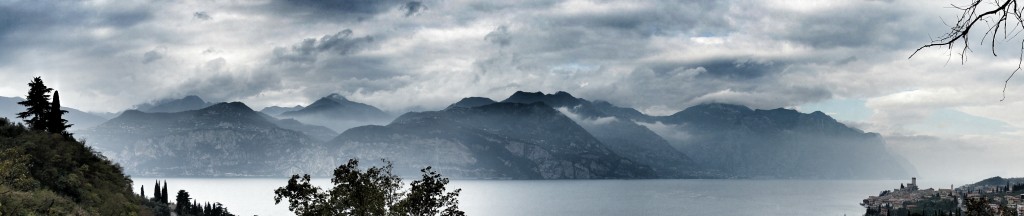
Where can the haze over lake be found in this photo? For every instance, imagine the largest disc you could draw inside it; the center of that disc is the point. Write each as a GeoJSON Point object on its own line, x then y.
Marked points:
{"type": "Point", "coordinates": [254, 196]}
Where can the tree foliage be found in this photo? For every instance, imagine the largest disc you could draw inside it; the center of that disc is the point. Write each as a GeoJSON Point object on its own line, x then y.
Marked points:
{"type": "Point", "coordinates": [40, 113]}
{"type": "Point", "coordinates": [375, 191]}
{"type": "Point", "coordinates": [55, 122]}
{"type": "Point", "coordinates": [184, 207]}
{"type": "Point", "coordinates": [37, 104]}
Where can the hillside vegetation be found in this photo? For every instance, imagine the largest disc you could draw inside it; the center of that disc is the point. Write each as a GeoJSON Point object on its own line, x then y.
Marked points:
{"type": "Point", "coordinates": [44, 173]}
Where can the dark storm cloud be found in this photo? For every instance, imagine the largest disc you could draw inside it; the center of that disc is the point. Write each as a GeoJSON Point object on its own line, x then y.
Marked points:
{"type": "Point", "coordinates": [202, 15]}
{"type": "Point", "coordinates": [348, 10]}
{"type": "Point", "coordinates": [413, 7]}
{"type": "Point", "coordinates": [652, 18]}
{"type": "Point", "coordinates": [738, 69]}
{"type": "Point", "coordinates": [874, 24]}
{"type": "Point", "coordinates": [309, 50]}
{"type": "Point", "coordinates": [151, 56]}
{"type": "Point", "coordinates": [225, 83]}
{"type": "Point", "coordinates": [499, 36]}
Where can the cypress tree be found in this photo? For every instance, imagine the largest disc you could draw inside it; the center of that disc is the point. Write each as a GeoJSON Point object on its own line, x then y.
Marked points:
{"type": "Point", "coordinates": [142, 191]}
{"type": "Point", "coordinates": [163, 193]}
{"type": "Point", "coordinates": [156, 191]}
{"type": "Point", "coordinates": [37, 105]}
{"type": "Point", "coordinates": [55, 122]}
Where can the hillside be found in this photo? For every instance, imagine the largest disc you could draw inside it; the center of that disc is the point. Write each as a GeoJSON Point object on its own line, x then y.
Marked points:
{"type": "Point", "coordinates": [46, 174]}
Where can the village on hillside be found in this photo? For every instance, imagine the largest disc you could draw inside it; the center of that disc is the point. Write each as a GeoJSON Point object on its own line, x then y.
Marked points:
{"type": "Point", "coordinates": [993, 196]}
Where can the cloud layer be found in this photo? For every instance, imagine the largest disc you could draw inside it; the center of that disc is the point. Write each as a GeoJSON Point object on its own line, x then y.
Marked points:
{"type": "Point", "coordinates": [657, 56]}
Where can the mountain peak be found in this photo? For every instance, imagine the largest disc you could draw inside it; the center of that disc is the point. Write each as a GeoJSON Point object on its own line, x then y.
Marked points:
{"type": "Point", "coordinates": [336, 97]}
{"type": "Point", "coordinates": [721, 107]}
{"type": "Point", "coordinates": [192, 98]}
{"type": "Point", "coordinates": [229, 106]}
{"type": "Point", "coordinates": [190, 102]}
{"type": "Point", "coordinates": [521, 95]}
{"type": "Point", "coordinates": [470, 102]}
{"type": "Point", "coordinates": [559, 99]}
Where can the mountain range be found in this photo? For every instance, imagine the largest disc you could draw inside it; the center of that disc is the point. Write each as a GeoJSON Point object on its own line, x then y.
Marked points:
{"type": "Point", "coordinates": [225, 139]}
{"type": "Point", "coordinates": [525, 136]}
{"type": "Point", "coordinates": [499, 140]}
{"type": "Point", "coordinates": [781, 143]}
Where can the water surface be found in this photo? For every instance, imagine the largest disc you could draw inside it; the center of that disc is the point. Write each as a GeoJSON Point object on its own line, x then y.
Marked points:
{"type": "Point", "coordinates": [254, 196]}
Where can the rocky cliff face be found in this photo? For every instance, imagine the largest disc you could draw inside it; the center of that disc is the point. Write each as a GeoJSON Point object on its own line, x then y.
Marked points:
{"type": "Point", "coordinates": [501, 140]}
{"type": "Point", "coordinates": [226, 139]}
{"type": "Point", "coordinates": [782, 143]}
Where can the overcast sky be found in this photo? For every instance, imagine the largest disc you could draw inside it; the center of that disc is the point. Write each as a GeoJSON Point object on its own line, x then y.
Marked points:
{"type": "Point", "coordinates": [846, 58]}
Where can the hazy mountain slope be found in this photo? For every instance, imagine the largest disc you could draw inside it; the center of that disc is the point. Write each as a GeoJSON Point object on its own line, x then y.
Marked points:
{"type": "Point", "coordinates": [187, 103]}
{"type": "Point", "coordinates": [276, 110]}
{"type": "Point", "coordinates": [338, 113]}
{"type": "Point", "coordinates": [226, 139]}
{"type": "Point", "coordinates": [472, 102]}
{"type": "Point", "coordinates": [502, 140]}
{"type": "Point", "coordinates": [622, 135]}
{"type": "Point", "coordinates": [9, 108]}
{"type": "Point", "coordinates": [782, 143]}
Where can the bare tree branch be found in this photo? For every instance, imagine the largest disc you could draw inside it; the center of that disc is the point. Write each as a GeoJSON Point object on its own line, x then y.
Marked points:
{"type": "Point", "coordinates": [998, 18]}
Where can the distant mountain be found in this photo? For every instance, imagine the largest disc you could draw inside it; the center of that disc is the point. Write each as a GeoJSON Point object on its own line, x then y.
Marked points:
{"type": "Point", "coordinates": [336, 112]}
{"type": "Point", "coordinates": [614, 127]}
{"type": "Point", "coordinates": [187, 103]}
{"type": "Point", "coordinates": [9, 108]}
{"type": "Point", "coordinates": [500, 141]}
{"type": "Point", "coordinates": [782, 143]}
{"type": "Point", "coordinates": [996, 181]}
{"type": "Point", "coordinates": [226, 139]}
{"type": "Point", "coordinates": [471, 102]}
{"type": "Point", "coordinates": [276, 110]}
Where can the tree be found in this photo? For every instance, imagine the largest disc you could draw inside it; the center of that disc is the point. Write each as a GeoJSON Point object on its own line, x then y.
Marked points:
{"type": "Point", "coordinates": [55, 122]}
{"type": "Point", "coordinates": [37, 105]}
{"type": "Point", "coordinates": [156, 191]}
{"type": "Point", "coordinates": [428, 197]}
{"type": "Point", "coordinates": [181, 202]}
{"type": "Point", "coordinates": [142, 191]}
{"type": "Point", "coordinates": [1004, 15]}
{"type": "Point", "coordinates": [374, 192]}
{"type": "Point", "coordinates": [163, 193]}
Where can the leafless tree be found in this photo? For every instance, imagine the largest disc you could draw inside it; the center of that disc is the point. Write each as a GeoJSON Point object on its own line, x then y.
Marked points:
{"type": "Point", "coordinates": [997, 18]}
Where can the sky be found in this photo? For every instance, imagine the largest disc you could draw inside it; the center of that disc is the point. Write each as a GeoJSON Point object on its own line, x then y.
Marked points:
{"type": "Point", "coordinates": [847, 58]}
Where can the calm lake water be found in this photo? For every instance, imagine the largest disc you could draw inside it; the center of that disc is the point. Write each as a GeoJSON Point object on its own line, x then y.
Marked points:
{"type": "Point", "coordinates": [255, 196]}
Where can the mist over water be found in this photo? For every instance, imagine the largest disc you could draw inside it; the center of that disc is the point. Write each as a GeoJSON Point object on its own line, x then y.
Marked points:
{"type": "Point", "coordinates": [254, 196]}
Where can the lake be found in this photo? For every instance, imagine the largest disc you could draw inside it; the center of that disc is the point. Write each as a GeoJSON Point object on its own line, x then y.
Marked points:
{"type": "Point", "coordinates": [254, 196]}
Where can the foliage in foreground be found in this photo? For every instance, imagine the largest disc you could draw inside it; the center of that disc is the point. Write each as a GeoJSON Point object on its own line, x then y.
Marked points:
{"type": "Point", "coordinates": [44, 173]}
{"type": "Point", "coordinates": [374, 192]}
